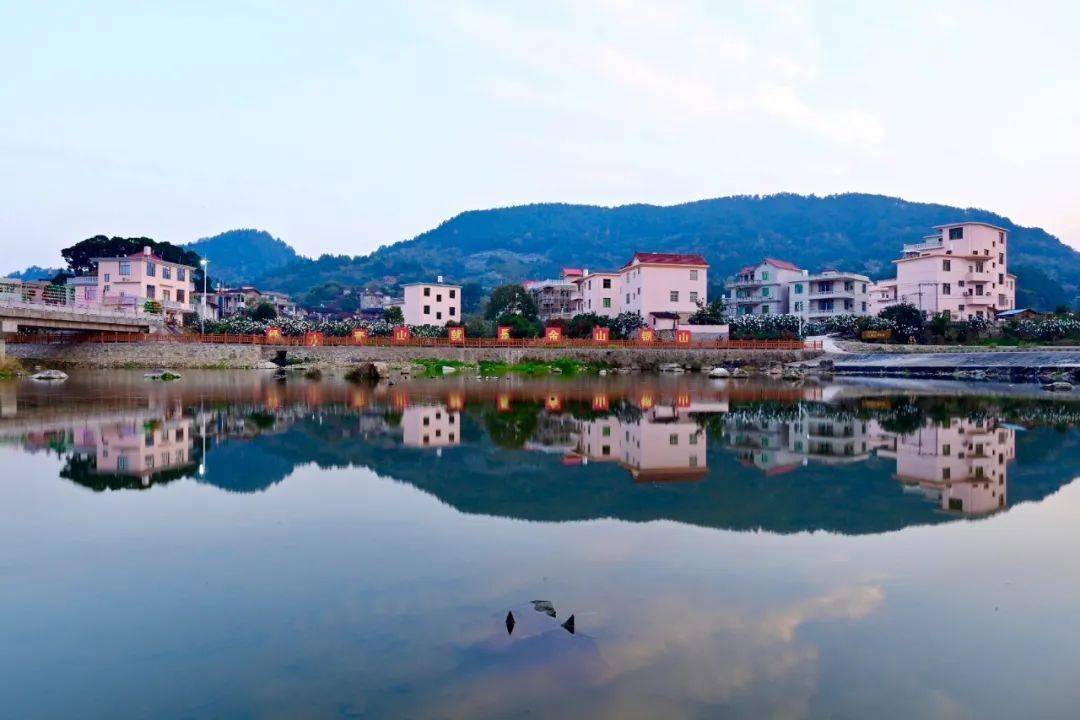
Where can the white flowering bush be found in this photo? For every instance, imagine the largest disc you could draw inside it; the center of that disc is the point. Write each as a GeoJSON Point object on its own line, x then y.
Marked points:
{"type": "Point", "coordinates": [297, 327]}
{"type": "Point", "coordinates": [1048, 329]}
{"type": "Point", "coordinates": [764, 327]}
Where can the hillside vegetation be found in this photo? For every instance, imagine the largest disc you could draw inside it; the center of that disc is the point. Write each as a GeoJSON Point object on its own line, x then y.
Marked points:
{"type": "Point", "coordinates": [858, 232]}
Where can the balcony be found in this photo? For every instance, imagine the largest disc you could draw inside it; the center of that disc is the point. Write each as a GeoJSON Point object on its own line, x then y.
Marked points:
{"type": "Point", "coordinates": [924, 246]}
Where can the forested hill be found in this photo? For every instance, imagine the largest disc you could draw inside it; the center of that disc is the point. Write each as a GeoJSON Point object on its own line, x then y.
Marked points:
{"type": "Point", "coordinates": [242, 256]}
{"type": "Point", "coordinates": [858, 232]}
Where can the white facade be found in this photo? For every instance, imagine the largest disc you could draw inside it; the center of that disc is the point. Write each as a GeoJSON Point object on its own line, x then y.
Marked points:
{"type": "Point", "coordinates": [828, 294]}
{"type": "Point", "coordinates": [598, 293]}
{"type": "Point", "coordinates": [762, 289]}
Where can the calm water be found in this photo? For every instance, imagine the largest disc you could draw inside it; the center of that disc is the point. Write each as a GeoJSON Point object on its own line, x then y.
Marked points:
{"type": "Point", "coordinates": [228, 546]}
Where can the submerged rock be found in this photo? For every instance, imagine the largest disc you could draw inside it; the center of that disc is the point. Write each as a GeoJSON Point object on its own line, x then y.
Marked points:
{"type": "Point", "coordinates": [739, 373]}
{"type": "Point", "coordinates": [671, 368]}
{"type": "Point", "coordinates": [162, 375]}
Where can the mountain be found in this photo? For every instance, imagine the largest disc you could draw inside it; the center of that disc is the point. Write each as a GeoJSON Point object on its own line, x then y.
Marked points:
{"type": "Point", "coordinates": [857, 232]}
{"type": "Point", "coordinates": [34, 272]}
{"type": "Point", "coordinates": [241, 256]}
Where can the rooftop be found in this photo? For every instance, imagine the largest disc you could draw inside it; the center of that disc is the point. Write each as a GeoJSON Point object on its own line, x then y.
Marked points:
{"type": "Point", "coordinates": [969, 222]}
{"type": "Point", "coordinates": [668, 259]}
{"type": "Point", "coordinates": [779, 264]}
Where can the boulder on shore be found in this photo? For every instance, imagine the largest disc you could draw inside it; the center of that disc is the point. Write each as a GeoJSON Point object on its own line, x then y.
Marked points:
{"type": "Point", "coordinates": [369, 370]}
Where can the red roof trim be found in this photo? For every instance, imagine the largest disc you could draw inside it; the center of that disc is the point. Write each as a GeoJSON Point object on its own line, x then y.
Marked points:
{"type": "Point", "coordinates": [668, 259]}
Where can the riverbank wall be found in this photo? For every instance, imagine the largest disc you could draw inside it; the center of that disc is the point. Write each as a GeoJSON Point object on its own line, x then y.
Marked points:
{"type": "Point", "coordinates": [228, 356]}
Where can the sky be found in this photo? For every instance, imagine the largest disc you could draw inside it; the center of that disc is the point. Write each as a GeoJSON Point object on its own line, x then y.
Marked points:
{"type": "Point", "coordinates": [340, 127]}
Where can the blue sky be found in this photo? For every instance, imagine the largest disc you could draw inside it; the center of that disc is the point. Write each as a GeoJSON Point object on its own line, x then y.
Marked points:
{"type": "Point", "coordinates": [344, 126]}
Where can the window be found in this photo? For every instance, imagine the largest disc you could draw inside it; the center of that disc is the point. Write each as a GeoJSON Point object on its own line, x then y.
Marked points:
{"type": "Point", "coordinates": [166, 273]}
{"type": "Point", "coordinates": [946, 450]}
{"type": "Point", "coordinates": [627, 297]}
{"type": "Point", "coordinates": [764, 274]}
{"type": "Point", "coordinates": [1001, 278]}
{"type": "Point", "coordinates": [693, 296]}
{"type": "Point", "coordinates": [166, 294]}
{"type": "Point", "coordinates": [151, 269]}
{"type": "Point", "coordinates": [764, 292]}
{"type": "Point", "coordinates": [606, 283]}
{"type": "Point", "coordinates": [798, 288]}
{"type": "Point", "coordinates": [674, 296]}
{"type": "Point", "coordinates": [125, 268]}
{"type": "Point", "coordinates": [427, 309]}
{"type": "Point", "coordinates": [693, 274]}
{"type": "Point", "coordinates": [607, 302]}
{"type": "Point", "coordinates": [438, 316]}
{"type": "Point", "coordinates": [181, 274]}
{"type": "Point", "coordinates": [427, 292]}
{"type": "Point", "coordinates": [764, 309]}
{"type": "Point", "coordinates": [108, 277]}
{"type": "Point", "coordinates": [151, 292]}
{"type": "Point", "coordinates": [864, 287]}
{"type": "Point", "coordinates": [673, 439]}
{"type": "Point", "coordinates": [946, 288]}
{"type": "Point", "coordinates": [606, 431]}
{"type": "Point", "coordinates": [453, 312]}
{"type": "Point", "coordinates": [980, 267]}
{"type": "Point", "coordinates": [438, 298]}
{"type": "Point", "coordinates": [956, 233]}
{"type": "Point", "coordinates": [946, 265]}
{"type": "Point", "coordinates": [180, 296]}
{"type": "Point", "coordinates": [978, 289]}
{"type": "Point", "coordinates": [453, 294]}
{"type": "Point", "coordinates": [798, 306]}
{"type": "Point", "coordinates": [946, 473]}
{"type": "Point", "coordinates": [864, 307]}
{"type": "Point", "coordinates": [693, 439]}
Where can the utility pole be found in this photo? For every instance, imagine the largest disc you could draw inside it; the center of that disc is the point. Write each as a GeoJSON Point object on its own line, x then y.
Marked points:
{"type": "Point", "coordinates": [202, 316]}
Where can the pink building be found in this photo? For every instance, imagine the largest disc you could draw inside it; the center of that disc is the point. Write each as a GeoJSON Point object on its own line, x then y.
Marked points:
{"type": "Point", "coordinates": [430, 426]}
{"type": "Point", "coordinates": [961, 269]}
{"type": "Point", "coordinates": [598, 293]}
{"type": "Point", "coordinates": [436, 303]}
{"type": "Point", "coordinates": [962, 465]}
{"type": "Point", "coordinates": [129, 282]}
{"type": "Point", "coordinates": [84, 290]}
{"type": "Point", "coordinates": [141, 450]}
{"type": "Point", "coordinates": [664, 288]}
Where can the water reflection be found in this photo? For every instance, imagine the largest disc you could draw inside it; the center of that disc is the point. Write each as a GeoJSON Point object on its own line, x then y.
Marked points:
{"type": "Point", "coordinates": [732, 455]}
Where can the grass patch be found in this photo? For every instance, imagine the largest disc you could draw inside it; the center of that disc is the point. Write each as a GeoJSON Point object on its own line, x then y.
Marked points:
{"type": "Point", "coordinates": [564, 366]}
{"type": "Point", "coordinates": [433, 367]}
{"type": "Point", "coordinates": [9, 368]}
{"type": "Point", "coordinates": [313, 374]}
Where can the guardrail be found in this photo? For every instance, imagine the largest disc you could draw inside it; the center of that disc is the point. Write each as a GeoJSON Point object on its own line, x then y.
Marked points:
{"type": "Point", "coordinates": [330, 341]}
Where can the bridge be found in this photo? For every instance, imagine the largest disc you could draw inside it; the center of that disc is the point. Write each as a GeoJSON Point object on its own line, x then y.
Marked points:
{"type": "Point", "coordinates": [42, 306]}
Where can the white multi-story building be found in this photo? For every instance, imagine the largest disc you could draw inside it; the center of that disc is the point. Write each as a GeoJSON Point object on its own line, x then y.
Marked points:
{"type": "Point", "coordinates": [828, 294]}
{"type": "Point", "coordinates": [597, 292]}
{"type": "Point", "coordinates": [762, 289]}
{"type": "Point", "coordinates": [664, 288]}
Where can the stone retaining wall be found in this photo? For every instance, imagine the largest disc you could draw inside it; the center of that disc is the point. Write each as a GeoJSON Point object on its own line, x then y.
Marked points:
{"type": "Point", "coordinates": [208, 355]}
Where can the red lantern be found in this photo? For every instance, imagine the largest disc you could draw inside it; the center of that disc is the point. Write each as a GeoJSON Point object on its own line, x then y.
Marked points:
{"type": "Point", "coordinates": [601, 334]}
{"type": "Point", "coordinates": [456, 334]}
{"type": "Point", "coordinates": [553, 334]}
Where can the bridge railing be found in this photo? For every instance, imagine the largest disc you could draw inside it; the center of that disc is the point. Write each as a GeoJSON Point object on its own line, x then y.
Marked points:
{"type": "Point", "coordinates": [48, 296]}
{"type": "Point", "coordinates": [348, 341]}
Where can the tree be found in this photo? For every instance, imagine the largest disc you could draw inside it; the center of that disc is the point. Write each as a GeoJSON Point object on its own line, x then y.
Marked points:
{"type": "Point", "coordinates": [581, 326]}
{"type": "Point", "coordinates": [711, 314]}
{"type": "Point", "coordinates": [521, 327]}
{"type": "Point", "coordinates": [908, 321]}
{"type": "Point", "coordinates": [510, 300]}
{"type": "Point", "coordinates": [626, 324]}
{"type": "Point", "coordinates": [393, 315]}
{"type": "Point", "coordinates": [264, 311]}
{"type": "Point", "coordinates": [80, 256]}
{"type": "Point", "coordinates": [472, 298]}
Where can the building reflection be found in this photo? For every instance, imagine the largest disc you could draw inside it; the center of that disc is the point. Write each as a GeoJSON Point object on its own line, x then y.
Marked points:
{"type": "Point", "coordinates": [962, 465]}
{"type": "Point", "coordinates": [430, 426]}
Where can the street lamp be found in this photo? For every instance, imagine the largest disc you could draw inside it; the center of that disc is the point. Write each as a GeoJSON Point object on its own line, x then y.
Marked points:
{"type": "Point", "coordinates": [202, 316]}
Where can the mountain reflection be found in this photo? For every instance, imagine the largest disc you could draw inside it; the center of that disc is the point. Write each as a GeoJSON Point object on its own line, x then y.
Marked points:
{"type": "Point", "coordinates": [775, 457]}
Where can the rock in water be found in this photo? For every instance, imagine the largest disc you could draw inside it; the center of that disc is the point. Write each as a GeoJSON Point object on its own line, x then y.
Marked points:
{"type": "Point", "coordinates": [1059, 386]}
{"type": "Point", "coordinates": [544, 606]}
{"type": "Point", "coordinates": [510, 623]}
{"type": "Point", "coordinates": [51, 375]}
{"type": "Point", "coordinates": [569, 625]}
{"type": "Point", "coordinates": [719, 372]}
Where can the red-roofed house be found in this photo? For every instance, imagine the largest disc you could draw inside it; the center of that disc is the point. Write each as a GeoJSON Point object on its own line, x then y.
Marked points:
{"type": "Point", "coordinates": [665, 288]}
{"type": "Point", "coordinates": [762, 289]}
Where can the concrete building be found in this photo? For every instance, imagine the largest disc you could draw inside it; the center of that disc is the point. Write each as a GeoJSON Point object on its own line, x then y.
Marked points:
{"type": "Point", "coordinates": [664, 288]}
{"type": "Point", "coordinates": [436, 303]}
{"type": "Point", "coordinates": [961, 269]}
{"type": "Point", "coordinates": [555, 298]}
{"type": "Point", "coordinates": [129, 282]}
{"type": "Point", "coordinates": [762, 289]}
{"type": "Point", "coordinates": [84, 290]}
{"type": "Point", "coordinates": [597, 292]}
{"type": "Point", "coordinates": [828, 294]}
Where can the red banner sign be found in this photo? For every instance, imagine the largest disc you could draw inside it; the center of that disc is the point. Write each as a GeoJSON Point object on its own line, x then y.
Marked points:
{"type": "Point", "coordinates": [456, 334]}
{"type": "Point", "coordinates": [682, 337]}
{"type": "Point", "coordinates": [359, 335]}
{"type": "Point", "coordinates": [273, 334]}
{"type": "Point", "coordinates": [600, 402]}
{"type": "Point", "coordinates": [647, 335]}
{"type": "Point", "coordinates": [553, 403]}
{"type": "Point", "coordinates": [313, 339]}
{"type": "Point", "coordinates": [682, 400]}
{"type": "Point", "coordinates": [553, 334]}
{"type": "Point", "coordinates": [402, 333]}
{"type": "Point", "coordinates": [503, 402]}
{"type": "Point", "coordinates": [503, 333]}
{"type": "Point", "coordinates": [601, 334]}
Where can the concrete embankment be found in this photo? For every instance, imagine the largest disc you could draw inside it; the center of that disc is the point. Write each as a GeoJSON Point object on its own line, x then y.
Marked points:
{"type": "Point", "coordinates": [1004, 364]}
{"type": "Point", "coordinates": [210, 355]}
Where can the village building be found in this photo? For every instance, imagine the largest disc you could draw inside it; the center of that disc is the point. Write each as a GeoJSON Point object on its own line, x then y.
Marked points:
{"type": "Point", "coordinates": [436, 303]}
{"type": "Point", "coordinates": [129, 283]}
